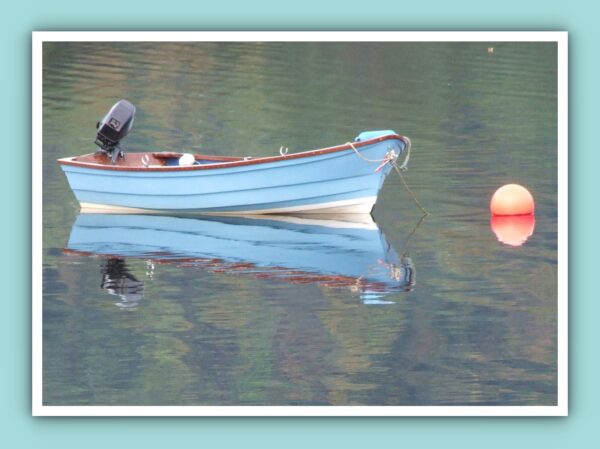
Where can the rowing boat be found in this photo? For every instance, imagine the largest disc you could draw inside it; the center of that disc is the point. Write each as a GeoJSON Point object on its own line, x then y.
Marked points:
{"type": "Point", "coordinates": [339, 179]}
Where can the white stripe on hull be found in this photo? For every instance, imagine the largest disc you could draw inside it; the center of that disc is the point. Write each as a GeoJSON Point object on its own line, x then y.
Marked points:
{"type": "Point", "coordinates": [354, 206]}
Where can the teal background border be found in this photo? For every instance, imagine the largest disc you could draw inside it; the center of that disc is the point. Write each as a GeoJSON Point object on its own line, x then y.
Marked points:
{"type": "Point", "coordinates": [19, 429]}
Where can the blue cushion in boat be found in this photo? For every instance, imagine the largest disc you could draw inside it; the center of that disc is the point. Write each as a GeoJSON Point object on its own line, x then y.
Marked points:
{"type": "Point", "coordinates": [174, 162]}
{"type": "Point", "coordinates": [366, 135]}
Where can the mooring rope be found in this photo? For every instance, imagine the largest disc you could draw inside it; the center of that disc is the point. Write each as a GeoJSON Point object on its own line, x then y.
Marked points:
{"type": "Point", "coordinates": [399, 171]}
{"type": "Point", "coordinates": [386, 158]}
{"type": "Point", "coordinates": [408, 143]}
{"type": "Point", "coordinates": [391, 157]}
{"type": "Point", "coordinates": [407, 240]}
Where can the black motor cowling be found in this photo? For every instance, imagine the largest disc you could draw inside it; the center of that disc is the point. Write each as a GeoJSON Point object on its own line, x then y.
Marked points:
{"type": "Point", "coordinates": [114, 127]}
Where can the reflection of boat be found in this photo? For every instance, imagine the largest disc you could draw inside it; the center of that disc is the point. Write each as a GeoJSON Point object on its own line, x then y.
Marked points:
{"type": "Point", "coordinates": [349, 251]}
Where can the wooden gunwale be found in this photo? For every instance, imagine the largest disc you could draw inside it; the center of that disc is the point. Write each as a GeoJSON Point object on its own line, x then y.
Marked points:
{"type": "Point", "coordinates": [133, 161]}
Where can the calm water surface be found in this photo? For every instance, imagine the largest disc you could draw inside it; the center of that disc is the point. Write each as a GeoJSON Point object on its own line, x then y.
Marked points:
{"type": "Point", "coordinates": [400, 311]}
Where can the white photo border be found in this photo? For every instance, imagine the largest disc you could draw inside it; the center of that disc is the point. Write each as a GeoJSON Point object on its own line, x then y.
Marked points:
{"type": "Point", "coordinates": [560, 37]}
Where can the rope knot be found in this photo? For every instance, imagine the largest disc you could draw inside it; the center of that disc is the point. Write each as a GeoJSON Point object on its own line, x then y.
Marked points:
{"type": "Point", "coordinates": [390, 156]}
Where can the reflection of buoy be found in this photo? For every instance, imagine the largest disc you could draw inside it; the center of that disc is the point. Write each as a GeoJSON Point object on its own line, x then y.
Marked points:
{"type": "Point", "coordinates": [512, 199]}
{"type": "Point", "coordinates": [513, 230]}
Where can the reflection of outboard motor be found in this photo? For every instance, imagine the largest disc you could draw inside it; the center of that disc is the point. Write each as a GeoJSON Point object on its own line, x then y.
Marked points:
{"type": "Point", "coordinates": [114, 127]}
{"type": "Point", "coordinates": [117, 280]}
{"type": "Point", "coordinates": [408, 273]}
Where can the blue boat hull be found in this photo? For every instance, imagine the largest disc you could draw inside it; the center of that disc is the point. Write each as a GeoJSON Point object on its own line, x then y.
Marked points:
{"type": "Point", "coordinates": [333, 182]}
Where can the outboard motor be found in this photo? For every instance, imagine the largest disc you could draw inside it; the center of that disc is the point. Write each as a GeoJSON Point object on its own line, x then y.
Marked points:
{"type": "Point", "coordinates": [114, 127]}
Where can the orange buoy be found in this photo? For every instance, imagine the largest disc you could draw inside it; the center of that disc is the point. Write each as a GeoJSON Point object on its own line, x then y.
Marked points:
{"type": "Point", "coordinates": [513, 230]}
{"type": "Point", "coordinates": [512, 199]}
